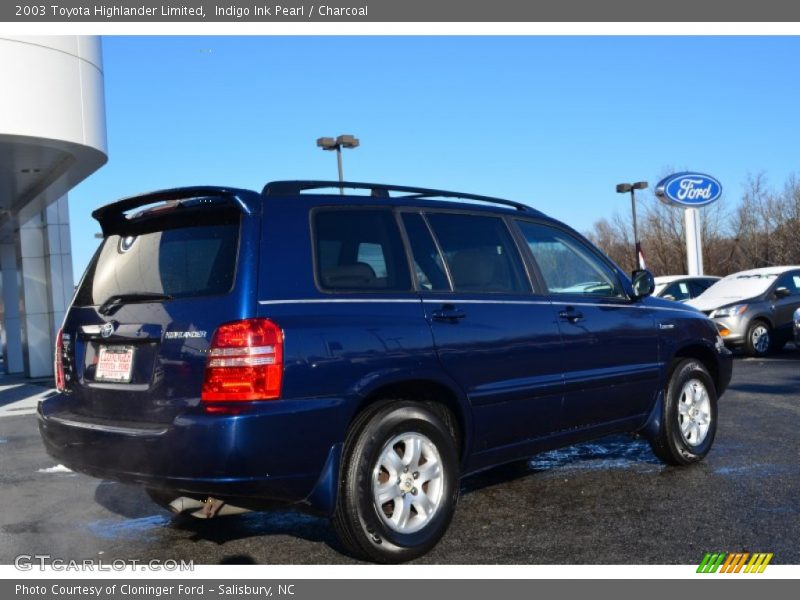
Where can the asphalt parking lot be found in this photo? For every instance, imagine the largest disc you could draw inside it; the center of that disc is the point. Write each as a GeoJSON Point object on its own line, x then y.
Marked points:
{"type": "Point", "coordinates": [608, 502]}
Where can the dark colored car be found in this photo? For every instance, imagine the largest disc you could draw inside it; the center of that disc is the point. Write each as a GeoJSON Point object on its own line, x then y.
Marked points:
{"type": "Point", "coordinates": [355, 355]}
{"type": "Point", "coordinates": [796, 320]}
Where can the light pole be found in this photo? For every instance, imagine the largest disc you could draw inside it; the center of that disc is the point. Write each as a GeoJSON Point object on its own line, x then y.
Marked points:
{"type": "Point", "coordinates": [631, 187]}
{"type": "Point", "coordinates": [343, 141]}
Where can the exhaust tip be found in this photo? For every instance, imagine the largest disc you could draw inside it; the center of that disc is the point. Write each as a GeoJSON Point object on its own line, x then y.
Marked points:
{"type": "Point", "coordinates": [182, 504]}
{"type": "Point", "coordinates": [204, 509]}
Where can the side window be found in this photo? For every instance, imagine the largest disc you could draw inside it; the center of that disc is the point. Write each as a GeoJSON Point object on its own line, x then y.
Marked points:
{"type": "Point", "coordinates": [428, 263]}
{"type": "Point", "coordinates": [791, 281]}
{"type": "Point", "coordinates": [372, 254]}
{"type": "Point", "coordinates": [359, 250]}
{"type": "Point", "coordinates": [480, 253]}
{"type": "Point", "coordinates": [567, 264]}
{"type": "Point", "coordinates": [678, 291]}
{"type": "Point", "coordinates": [707, 283]}
{"type": "Point", "coordinates": [695, 289]}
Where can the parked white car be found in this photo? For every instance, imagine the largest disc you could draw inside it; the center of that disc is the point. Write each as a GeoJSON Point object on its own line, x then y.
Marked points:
{"type": "Point", "coordinates": [683, 287]}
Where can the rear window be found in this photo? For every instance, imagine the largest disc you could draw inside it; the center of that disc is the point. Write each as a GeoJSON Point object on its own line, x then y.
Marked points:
{"type": "Point", "coordinates": [182, 262]}
{"type": "Point", "coordinates": [359, 250]}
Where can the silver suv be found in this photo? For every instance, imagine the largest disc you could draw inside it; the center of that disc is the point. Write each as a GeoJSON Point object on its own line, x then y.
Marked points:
{"type": "Point", "coordinates": [754, 309]}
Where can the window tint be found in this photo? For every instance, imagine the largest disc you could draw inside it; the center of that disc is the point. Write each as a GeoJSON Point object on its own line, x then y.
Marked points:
{"type": "Point", "coordinates": [791, 281]}
{"type": "Point", "coordinates": [189, 261]}
{"type": "Point", "coordinates": [706, 283]}
{"type": "Point", "coordinates": [480, 253]}
{"type": "Point", "coordinates": [359, 250]}
{"type": "Point", "coordinates": [679, 290]}
{"type": "Point", "coordinates": [372, 254]}
{"type": "Point", "coordinates": [428, 263]}
{"type": "Point", "coordinates": [696, 288]}
{"type": "Point", "coordinates": [567, 264]}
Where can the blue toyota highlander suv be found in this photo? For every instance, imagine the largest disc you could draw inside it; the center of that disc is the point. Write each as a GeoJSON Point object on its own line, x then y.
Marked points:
{"type": "Point", "coordinates": [356, 354]}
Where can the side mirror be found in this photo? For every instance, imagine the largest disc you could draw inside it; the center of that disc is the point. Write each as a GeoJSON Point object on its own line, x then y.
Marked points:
{"type": "Point", "coordinates": [643, 283]}
{"type": "Point", "coordinates": [782, 292]}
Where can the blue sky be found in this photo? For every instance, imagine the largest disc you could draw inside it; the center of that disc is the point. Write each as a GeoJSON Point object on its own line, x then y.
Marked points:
{"type": "Point", "coordinates": [554, 122]}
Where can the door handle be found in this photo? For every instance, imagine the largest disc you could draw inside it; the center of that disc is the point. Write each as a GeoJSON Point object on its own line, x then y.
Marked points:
{"type": "Point", "coordinates": [448, 313]}
{"type": "Point", "coordinates": [571, 315]}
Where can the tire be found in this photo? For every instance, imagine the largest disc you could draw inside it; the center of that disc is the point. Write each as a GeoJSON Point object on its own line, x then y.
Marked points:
{"type": "Point", "coordinates": [689, 417]}
{"type": "Point", "coordinates": [385, 456]}
{"type": "Point", "coordinates": [759, 340]}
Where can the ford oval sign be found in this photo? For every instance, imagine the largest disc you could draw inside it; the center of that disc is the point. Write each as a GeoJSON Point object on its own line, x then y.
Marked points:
{"type": "Point", "coordinates": [689, 190]}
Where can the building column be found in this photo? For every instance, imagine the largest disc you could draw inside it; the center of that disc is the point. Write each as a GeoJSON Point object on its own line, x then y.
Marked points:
{"type": "Point", "coordinates": [11, 335]}
{"type": "Point", "coordinates": [59, 260]}
{"type": "Point", "coordinates": [45, 265]}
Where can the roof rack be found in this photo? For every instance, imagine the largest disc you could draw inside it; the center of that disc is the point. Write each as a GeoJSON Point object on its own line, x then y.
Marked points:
{"type": "Point", "coordinates": [381, 190]}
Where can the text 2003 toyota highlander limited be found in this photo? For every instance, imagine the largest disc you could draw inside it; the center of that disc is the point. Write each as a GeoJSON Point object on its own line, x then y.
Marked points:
{"type": "Point", "coordinates": [356, 354]}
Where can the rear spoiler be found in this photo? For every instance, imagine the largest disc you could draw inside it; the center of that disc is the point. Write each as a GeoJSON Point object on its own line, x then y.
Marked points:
{"type": "Point", "coordinates": [113, 219]}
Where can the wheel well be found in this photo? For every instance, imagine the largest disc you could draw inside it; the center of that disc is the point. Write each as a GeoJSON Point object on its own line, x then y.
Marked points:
{"type": "Point", "coordinates": [438, 396]}
{"type": "Point", "coordinates": [705, 356]}
{"type": "Point", "coordinates": [762, 319]}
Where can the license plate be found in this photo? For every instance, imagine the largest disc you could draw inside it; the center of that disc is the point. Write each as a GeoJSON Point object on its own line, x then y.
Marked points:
{"type": "Point", "coordinates": [114, 363]}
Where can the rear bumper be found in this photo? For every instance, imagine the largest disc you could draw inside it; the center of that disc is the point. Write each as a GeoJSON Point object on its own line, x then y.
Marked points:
{"type": "Point", "coordinates": [275, 452]}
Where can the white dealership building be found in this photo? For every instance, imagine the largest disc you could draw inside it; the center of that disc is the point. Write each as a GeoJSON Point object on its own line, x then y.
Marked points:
{"type": "Point", "coordinates": [52, 136]}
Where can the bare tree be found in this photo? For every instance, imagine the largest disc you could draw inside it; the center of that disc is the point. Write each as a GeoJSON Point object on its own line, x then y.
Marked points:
{"type": "Point", "coordinates": [762, 230]}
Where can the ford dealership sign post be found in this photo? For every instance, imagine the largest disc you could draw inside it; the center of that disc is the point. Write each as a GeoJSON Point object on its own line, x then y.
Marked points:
{"type": "Point", "coordinates": [690, 191]}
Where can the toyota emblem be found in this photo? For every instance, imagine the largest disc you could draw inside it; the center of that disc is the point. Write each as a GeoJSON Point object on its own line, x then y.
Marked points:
{"type": "Point", "coordinates": [107, 329]}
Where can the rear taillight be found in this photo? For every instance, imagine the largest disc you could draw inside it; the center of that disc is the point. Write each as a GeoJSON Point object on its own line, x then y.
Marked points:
{"type": "Point", "coordinates": [58, 362]}
{"type": "Point", "coordinates": [245, 362]}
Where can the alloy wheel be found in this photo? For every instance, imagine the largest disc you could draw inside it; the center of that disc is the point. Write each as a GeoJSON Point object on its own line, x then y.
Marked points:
{"type": "Point", "coordinates": [694, 412]}
{"type": "Point", "coordinates": [408, 481]}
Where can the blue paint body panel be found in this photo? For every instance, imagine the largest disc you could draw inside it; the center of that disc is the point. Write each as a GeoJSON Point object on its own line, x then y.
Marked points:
{"type": "Point", "coordinates": [519, 379]}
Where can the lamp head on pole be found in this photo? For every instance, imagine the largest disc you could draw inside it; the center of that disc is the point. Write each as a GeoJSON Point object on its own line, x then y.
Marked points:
{"type": "Point", "coordinates": [623, 188]}
{"type": "Point", "coordinates": [347, 141]}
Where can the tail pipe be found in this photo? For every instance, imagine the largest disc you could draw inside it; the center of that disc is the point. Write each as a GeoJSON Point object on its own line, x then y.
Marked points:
{"type": "Point", "coordinates": [205, 509]}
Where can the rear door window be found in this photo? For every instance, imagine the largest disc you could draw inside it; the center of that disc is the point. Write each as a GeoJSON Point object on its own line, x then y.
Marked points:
{"type": "Point", "coordinates": [480, 253]}
{"type": "Point", "coordinates": [178, 262]}
{"type": "Point", "coordinates": [359, 250]}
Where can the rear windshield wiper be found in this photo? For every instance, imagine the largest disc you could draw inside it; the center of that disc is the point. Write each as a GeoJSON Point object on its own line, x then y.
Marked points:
{"type": "Point", "coordinates": [115, 301]}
